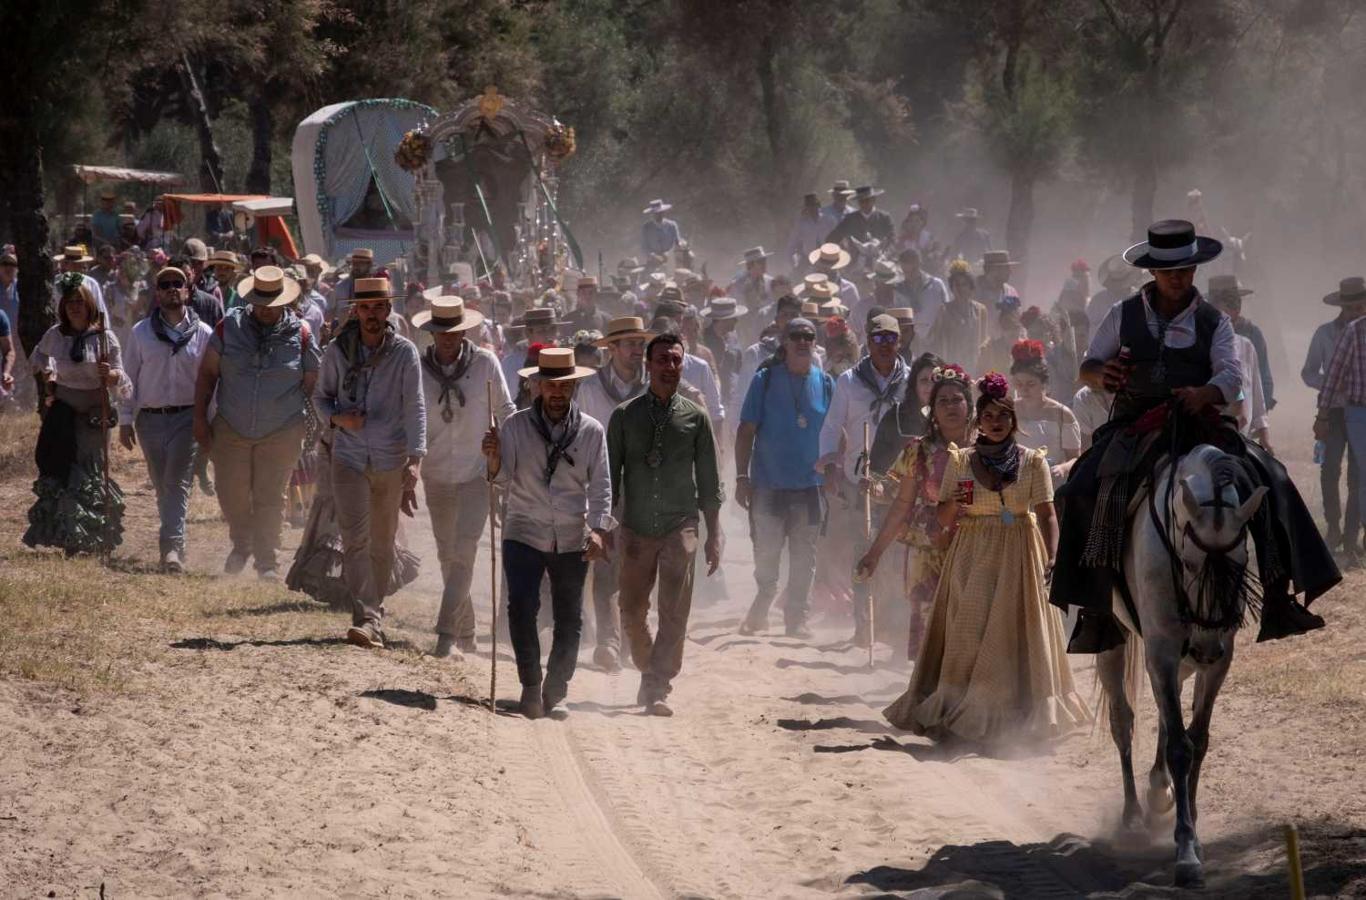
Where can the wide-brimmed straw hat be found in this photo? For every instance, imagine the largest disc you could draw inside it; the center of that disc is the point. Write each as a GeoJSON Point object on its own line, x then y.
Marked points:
{"type": "Point", "coordinates": [997, 258]}
{"type": "Point", "coordinates": [371, 287]}
{"type": "Point", "coordinates": [724, 308]}
{"type": "Point", "coordinates": [73, 253]}
{"type": "Point", "coordinates": [556, 364]}
{"type": "Point", "coordinates": [196, 250]}
{"type": "Point", "coordinates": [830, 255]}
{"type": "Point", "coordinates": [656, 206]}
{"type": "Point", "coordinates": [886, 272]}
{"type": "Point", "coordinates": [362, 253]}
{"type": "Point", "coordinates": [841, 188]}
{"type": "Point", "coordinates": [269, 286]}
{"type": "Point", "coordinates": [903, 314]}
{"type": "Point", "coordinates": [1172, 244]}
{"type": "Point", "coordinates": [447, 314]}
{"type": "Point", "coordinates": [811, 310]}
{"type": "Point", "coordinates": [819, 291]}
{"type": "Point", "coordinates": [537, 317]}
{"type": "Point", "coordinates": [1350, 290]}
{"type": "Point", "coordinates": [1226, 285]}
{"type": "Point", "coordinates": [809, 279]}
{"type": "Point", "coordinates": [314, 261]}
{"type": "Point", "coordinates": [224, 258]}
{"type": "Point", "coordinates": [624, 328]}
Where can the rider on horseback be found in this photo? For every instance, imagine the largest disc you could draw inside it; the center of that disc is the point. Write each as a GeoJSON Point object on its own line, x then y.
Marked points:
{"type": "Point", "coordinates": [1169, 358]}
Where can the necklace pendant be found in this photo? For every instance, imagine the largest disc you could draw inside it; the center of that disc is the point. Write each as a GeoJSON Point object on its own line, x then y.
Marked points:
{"type": "Point", "coordinates": [447, 414]}
{"type": "Point", "coordinates": [1007, 517]}
{"type": "Point", "coordinates": [801, 421]}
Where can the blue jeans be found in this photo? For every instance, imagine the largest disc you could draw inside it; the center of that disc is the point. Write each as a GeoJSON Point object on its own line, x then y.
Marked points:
{"type": "Point", "coordinates": [791, 519]}
{"type": "Point", "coordinates": [1355, 417]}
{"type": "Point", "coordinates": [168, 445]}
{"type": "Point", "coordinates": [524, 566]}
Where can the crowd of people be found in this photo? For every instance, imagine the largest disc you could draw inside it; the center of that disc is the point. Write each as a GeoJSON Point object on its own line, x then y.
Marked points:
{"type": "Point", "coordinates": [882, 392]}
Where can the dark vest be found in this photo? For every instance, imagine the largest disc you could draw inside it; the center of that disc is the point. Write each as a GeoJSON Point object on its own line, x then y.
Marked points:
{"type": "Point", "coordinates": [1157, 368]}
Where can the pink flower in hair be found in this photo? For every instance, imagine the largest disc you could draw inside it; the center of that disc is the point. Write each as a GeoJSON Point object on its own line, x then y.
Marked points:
{"type": "Point", "coordinates": [994, 385]}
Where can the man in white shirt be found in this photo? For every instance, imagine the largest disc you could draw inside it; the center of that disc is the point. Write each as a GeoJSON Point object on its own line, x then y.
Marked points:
{"type": "Point", "coordinates": [456, 374]}
{"type": "Point", "coordinates": [553, 461]}
{"type": "Point", "coordinates": [1092, 409]}
{"type": "Point", "coordinates": [622, 379]}
{"type": "Point", "coordinates": [162, 361]}
{"type": "Point", "coordinates": [862, 396]}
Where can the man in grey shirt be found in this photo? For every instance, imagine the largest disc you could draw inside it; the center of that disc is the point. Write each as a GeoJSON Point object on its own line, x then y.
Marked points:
{"type": "Point", "coordinates": [370, 392]}
{"type": "Point", "coordinates": [553, 461]}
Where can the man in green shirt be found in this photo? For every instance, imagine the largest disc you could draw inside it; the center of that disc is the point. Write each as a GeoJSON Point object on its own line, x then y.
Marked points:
{"type": "Point", "coordinates": [662, 457]}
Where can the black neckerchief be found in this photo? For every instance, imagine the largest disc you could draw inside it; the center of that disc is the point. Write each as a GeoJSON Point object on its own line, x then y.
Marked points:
{"type": "Point", "coordinates": [605, 379]}
{"type": "Point", "coordinates": [449, 383]}
{"type": "Point", "coordinates": [865, 373]}
{"type": "Point", "coordinates": [556, 450]}
{"type": "Point", "coordinates": [1001, 458]}
{"type": "Point", "coordinates": [178, 340]}
{"type": "Point", "coordinates": [351, 346]}
{"type": "Point", "coordinates": [78, 343]}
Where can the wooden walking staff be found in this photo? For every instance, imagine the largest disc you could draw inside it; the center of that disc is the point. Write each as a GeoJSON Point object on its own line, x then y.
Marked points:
{"type": "Point", "coordinates": [867, 542]}
{"type": "Point", "coordinates": [106, 551]}
{"type": "Point", "coordinates": [493, 566]}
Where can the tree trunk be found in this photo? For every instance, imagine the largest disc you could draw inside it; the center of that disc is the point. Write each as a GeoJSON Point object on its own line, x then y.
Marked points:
{"type": "Point", "coordinates": [775, 124]}
{"type": "Point", "coordinates": [211, 166]}
{"type": "Point", "coordinates": [1019, 223]}
{"type": "Point", "coordinates": [262, 129]}
{"type": "Point", "coordinates": [29, 222]}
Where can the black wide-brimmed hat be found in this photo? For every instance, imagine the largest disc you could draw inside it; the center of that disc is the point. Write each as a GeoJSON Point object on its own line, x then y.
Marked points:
{"type": "Point", "coordinates": [1350, 290]}
{"type": "Point", "coordinates": [1172, 244]}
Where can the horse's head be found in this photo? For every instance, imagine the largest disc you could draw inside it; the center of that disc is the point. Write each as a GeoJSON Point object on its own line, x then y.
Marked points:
{"type": "Point", "coordinates": [1210, 531]}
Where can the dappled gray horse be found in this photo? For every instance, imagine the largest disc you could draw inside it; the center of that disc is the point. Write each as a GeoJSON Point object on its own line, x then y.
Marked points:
{"type": "Point", "coordinates": [1186, 570]}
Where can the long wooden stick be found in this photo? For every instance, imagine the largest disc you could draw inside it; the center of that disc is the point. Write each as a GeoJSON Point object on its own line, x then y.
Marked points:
{"type": "Point", "coordinates": [106, 551]}
{"type": "Point", "coordinates": [867, 542]}
{"type": "Point", "coordinates": [493, 566]}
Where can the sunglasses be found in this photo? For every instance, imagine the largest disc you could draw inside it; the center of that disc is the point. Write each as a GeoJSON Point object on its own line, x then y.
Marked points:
{"type": "Point", "coordinates": [170, 285]}
{"type": "Point", "coordinates": [883, 337]}
{"type": "Point", "coordinates": [802, 336]}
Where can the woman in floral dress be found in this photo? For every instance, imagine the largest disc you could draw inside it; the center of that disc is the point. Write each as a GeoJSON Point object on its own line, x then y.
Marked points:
{"type": "Point", "coordinates": [918, 472]}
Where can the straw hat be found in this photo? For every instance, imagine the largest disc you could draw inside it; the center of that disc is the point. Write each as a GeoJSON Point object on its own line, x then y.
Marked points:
{"type": "Point", "coordinates": [223, 259]}
{"type": "Point", "coordinates": [903, 314]}
{"type": "Point", "coordinates": [819, 291]}
{"type": "Point", "coordinates": [656, 206]}
{"type": "Point", "coordinates": [447, 314]}
{"type": "Point", "coordinates": [624, 328]}
{"type": "Point", "coordinates": [314, 261]}
{"type": "Point", "coordinates": [73, 253]}
{"type": "Point", "coordinates": [363, 253]}
{"type": "Point", "coordinates": [811, 310]}
{"type": "Point", "coordinates": [886, 272]}
{"type": "Point", "coordinates": [755, 254]}
{"type": "Point", "coordinates": [724, 308]}
{"type": "Point", "coordinates": [556, 364]}
{"type": "Point", "coordinates": [841, 188]}
{"type": "Point", "coordinates": [268, 286]}
{"type": "Point", "coordinates": [830, 255]}
{"type": "Point", "coordinates": [537, 317]}
{"type": "Point", "coordinates": [1226, 285]}
{"type": "Point", "coordinates": [196, 250]}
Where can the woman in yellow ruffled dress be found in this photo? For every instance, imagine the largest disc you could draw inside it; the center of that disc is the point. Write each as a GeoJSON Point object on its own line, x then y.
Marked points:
{"type": "Point", "coordinates": [993, 666]}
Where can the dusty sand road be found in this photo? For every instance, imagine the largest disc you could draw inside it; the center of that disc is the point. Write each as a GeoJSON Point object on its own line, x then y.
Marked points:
{"type": "Point", "coordinates": [244, 751]}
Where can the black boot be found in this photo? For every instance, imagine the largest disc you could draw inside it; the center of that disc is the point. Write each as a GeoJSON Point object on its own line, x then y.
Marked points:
{"type": "Point", "coordinates": [1096, 632]}
{"type": "Point", "coordinates": [1283, 617]}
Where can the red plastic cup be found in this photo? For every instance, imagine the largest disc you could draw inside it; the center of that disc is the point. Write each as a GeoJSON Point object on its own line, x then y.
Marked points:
{"type": "Point", "coordinates": [966, 487]}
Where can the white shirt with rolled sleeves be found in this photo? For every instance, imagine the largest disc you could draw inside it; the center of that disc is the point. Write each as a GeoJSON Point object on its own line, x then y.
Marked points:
{"type": "Point", "coordinates": [160, 378]}
{"type": "Point", "coordinates": [1227, 377]}
{"type": "Point", "coordinates": [593, 399]}
{"type": "Point", "coordinates": [453, 448]}
{"type": "Point", "coordinates": [698, 373]}
{"type": "Point", "coordinates": [850, 406]}
{"type": "Point", "coordinates": [1250, 410]}
{"type": "Point", "coordinates": [554, 517]}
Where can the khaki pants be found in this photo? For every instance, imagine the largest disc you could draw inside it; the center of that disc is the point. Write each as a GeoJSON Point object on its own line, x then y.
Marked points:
{"type": "Point", "coordinates": [459, 513]}
{"type": "Point", "coordinates": [669, 558]}
{"type": "Point", "coordinates": [251, 477]}
{"type": "Point", "coordinates": [366, 505]}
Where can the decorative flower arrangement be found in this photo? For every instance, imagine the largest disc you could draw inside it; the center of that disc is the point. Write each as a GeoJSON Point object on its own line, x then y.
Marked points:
{"type": "Point", "coordinates": [559, 141]}
{"type": "Point", "coordinates": [1030, 316]}
{"type": "Point", "coordinates": [413, 151]}
{"type": "Point", "coordinates": [1026, 351]}
{"type": "Point", "coordinates": [994, 385]}
{"type": "Point", "coordinates": [951, 372]}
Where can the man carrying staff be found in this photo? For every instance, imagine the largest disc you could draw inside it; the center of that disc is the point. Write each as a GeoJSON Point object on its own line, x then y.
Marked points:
{"type": "Point", "coordinates": [455, 371]}
{"type": "Point", "coordinates": [1170, 358]}
{"type": "Point", "coordinates": [552, 459]}
{"type": "Point", "coordinates": [621, 380]}
{"type": "Point", "coordinates": [776, 449]}
{"type": "Point", "coordinates": [263, 362]}
{"type": "Point", "coordinates": [863, 395]}
{"type": "Point", "coordinates": [370, 393]}
{"type": "Point", "coordinates": [662, 455]}
{"type": "Point", "coordinates": [162, 362]}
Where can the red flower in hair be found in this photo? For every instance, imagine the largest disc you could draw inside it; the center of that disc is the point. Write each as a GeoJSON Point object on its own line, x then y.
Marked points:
{"type": "Point", "coordinates": [993, 385]}
{"type": "Point", "coordinates": [1079, 265]}
{"type": "Point", "coordinates": [716, 291]}
{"type": "Point", "coordinates": [1030, 316]}
{"type": "Point", "coordinates": [836, 327]}
{"type": "Point", "coordinates": [1024, 351]}
{"type": "Point", "coordinates": [533, 353]}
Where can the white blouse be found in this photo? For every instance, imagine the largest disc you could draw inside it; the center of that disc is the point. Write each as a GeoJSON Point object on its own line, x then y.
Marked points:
{"type": "Point", "coordinates": [53, 356]}
{"type": "Point", "coordinates": [1056, 430]}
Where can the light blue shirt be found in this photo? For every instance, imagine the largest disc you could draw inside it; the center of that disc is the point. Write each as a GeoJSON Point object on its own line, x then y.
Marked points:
{"type": "Point", "coordinates": [659, 237]}
{"type": "Point", "coordinates": [785, 453]}
{"type": "Point", "coordinates": [260, 371]}
{"type": "Point", "coordinates": [389, 393]}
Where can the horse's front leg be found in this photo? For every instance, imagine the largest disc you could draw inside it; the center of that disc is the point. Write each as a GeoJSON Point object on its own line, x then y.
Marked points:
{"type": "Point", "coordinates": [1164, 670]}
{"type": "Point", "coordinates": [1207, 685]}
{"type": "Point", "coordinates": [1110, 670]}
{"type": "Point", "coordinates": [1159, 797]}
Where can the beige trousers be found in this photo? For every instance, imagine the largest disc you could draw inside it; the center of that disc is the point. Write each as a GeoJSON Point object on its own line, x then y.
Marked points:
{"type": "Point", "coordinates": [367, 507]}
{"type": "Point", "coordinates": [251, 477]}
{"type": "Point", "coordinates": [459, 513]}
{"type": "Point", "coordinates": [668, 559]}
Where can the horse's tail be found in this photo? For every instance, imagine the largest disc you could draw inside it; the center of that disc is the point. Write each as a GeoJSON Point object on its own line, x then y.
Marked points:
{"type": "Point", "coordinates": [1135, 671]}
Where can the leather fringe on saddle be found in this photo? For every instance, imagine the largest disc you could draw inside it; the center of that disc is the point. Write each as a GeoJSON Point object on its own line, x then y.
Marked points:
{"type": "Point", "coordinates": [1123, 459]}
